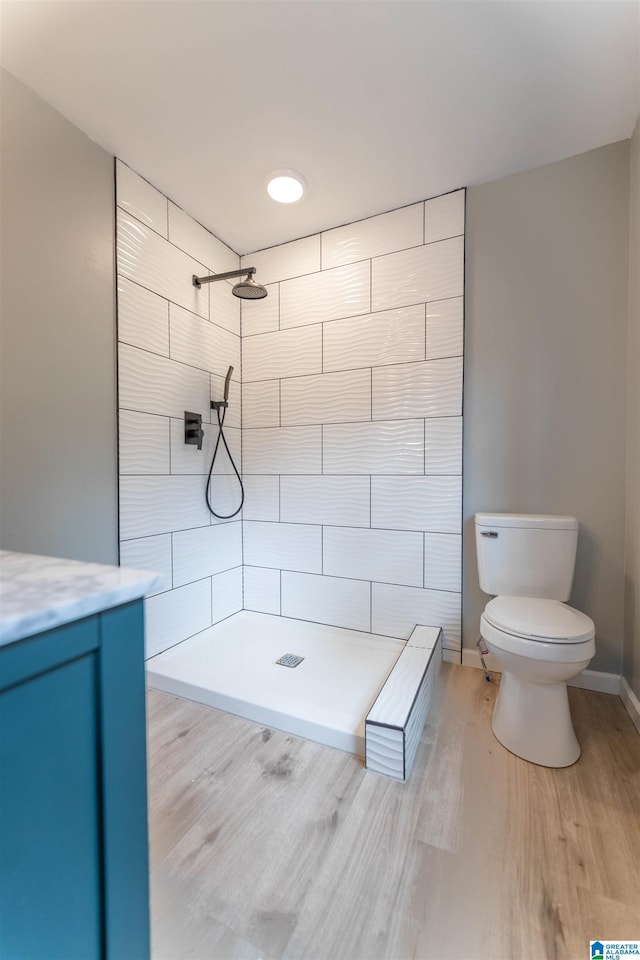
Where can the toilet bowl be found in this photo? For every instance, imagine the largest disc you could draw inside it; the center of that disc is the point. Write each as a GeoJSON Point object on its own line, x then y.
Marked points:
{"type": "Point", "coordinates": [541, 644]}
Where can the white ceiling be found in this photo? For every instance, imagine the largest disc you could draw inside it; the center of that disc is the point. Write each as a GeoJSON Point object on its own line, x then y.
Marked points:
{"type": "Point", "coordinates": [378, 104]}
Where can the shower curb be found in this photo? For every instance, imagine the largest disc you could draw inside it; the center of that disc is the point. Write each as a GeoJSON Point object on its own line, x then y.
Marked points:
{"type": "Point", "coordinates": [396, 720]}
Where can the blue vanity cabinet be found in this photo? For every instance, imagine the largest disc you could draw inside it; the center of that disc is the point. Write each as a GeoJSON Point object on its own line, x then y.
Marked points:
{"type": "Point", "coordinates": [73, 795]}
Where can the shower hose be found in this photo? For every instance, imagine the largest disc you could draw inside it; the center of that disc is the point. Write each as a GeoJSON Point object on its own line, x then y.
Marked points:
{"type": "Point", "coordinates": [221, 436]}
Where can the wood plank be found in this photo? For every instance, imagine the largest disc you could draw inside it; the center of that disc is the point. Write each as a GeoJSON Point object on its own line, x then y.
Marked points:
{"type": "Point", "coordinates": [283, 848]}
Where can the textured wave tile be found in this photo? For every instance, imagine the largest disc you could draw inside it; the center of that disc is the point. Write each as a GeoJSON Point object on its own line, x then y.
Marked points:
{"type": "Point", "coordinates": [186, 458]}
{"type": "Point", "coordinates": [186, 233]}
{"type": "Point", "coordinates": [282, 450]}
{"type": "Point", "coordinates": [330, 295]}
{"type": "Point", "coordinates": [443, 445]}
{"type": "Point", "coordinates": [392, 447]}
{"type": "Point", "coordinates": [390, 556]}
{"type": "Point", "coordinates": [226, 594]}
{"type": "Point", "coordinates": [432, 272]}
{"type": "Point", "coordinates": [261, 498]}
{"type": "Point", "coordinates": [327, 398]}
{"type": "Point", "coordinates": [153, 384]}
{"type": "Point", "coordinates": [445, 328]}
{"type": "Point", "coordinates": [174, 616]}
{"type": "Point", "coordinates": [224, 495]}
{"type": "Point", "coordinates": [340, 603]}
{"type": "Point", "coordinates": [393, 336]}
{"type": "Point", "coordinates": [262, 589]}
{"type": "Point", "coordinates": [433, 504]}
{"type": "Point", "coordinates": [444, 216]}
{"type": "Point", "coordinates": [261, 403]}
{"type": "Point", "coordinates": [140, 199]}
{"type": "Point", "coordinates": [150, 553]}
{"type": "Point", "coordinates": [203, 344]}
{"type": "Point", "coordinates": [373, 237]}
{"type": "Point", "coordinates": [143, 443]}
{"type": "Point", "coordinates": [287, 353]}
{"type": "Point", "coordinates": [288, 546]}
{"type": "Point", "coordinates": [286, 260]}
{"type": "Point", "coordinates": [397, 609]}
{"type": "Point", "coordinates": [224, 308]}
{"type": "Point", "coordinates": [151, 505]}
{"type": "Point", "coordinates": [393, 704]}
{"type": "Point", "coordinates": [156, 264]}
{"type": "Point", "coordinates": [143, 318]}
{"type": "Point", "coordinates": [384, 750]}
{"type": "Point", "coordinates": [443, 561]}
{"type": "Point", "coordinates": [261, 316]}
{"type": "Point", "coordinates": [232, 418]}
{"type": "Point", "coordinates": [431, 388]}
{"type": "Point", "coordinates": [201, 553]}
{"type": "Point", "coordinates": [341, 501]}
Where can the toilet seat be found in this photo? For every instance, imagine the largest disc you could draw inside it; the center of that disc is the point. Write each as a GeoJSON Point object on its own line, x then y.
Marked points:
{"type": "Point", "coordinates": [534, 619]}
{"type": "Point", "coordinates": [534, 648]}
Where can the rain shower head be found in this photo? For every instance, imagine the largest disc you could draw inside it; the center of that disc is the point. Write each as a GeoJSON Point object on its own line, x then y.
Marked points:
{"type": "Point", "coordinates": [247, 289]}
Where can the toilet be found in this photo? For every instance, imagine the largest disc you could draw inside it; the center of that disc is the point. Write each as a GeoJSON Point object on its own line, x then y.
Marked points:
{"type": "Point", "coordinates": [526, 563]}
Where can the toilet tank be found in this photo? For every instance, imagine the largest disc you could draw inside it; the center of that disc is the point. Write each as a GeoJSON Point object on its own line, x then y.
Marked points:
{"type": "Point", "coordinates": [526, 555]}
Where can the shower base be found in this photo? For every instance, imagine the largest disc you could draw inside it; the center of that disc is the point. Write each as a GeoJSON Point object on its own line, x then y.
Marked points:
{"type": "Point", "coordinates": [325, 698]}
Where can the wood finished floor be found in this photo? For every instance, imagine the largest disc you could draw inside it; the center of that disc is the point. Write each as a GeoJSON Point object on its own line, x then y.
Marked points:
{"type": "Point", "coordinates": [266, 846]}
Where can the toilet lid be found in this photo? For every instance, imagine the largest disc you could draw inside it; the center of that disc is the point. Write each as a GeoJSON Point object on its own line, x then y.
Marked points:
{"type": "Point", "coordinates": [534, 619]}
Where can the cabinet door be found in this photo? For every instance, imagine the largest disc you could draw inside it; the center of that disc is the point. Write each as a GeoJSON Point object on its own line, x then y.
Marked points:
{"type": "Point", "coordinates": [50, 853]}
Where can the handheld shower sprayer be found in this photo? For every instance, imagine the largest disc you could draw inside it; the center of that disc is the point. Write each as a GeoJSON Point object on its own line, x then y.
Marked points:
{"type": "Point", "coordinates": [220, 406]}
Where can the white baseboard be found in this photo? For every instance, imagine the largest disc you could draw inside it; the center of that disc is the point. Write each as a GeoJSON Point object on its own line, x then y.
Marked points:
{"type": "Point", "coordinates": [588, 679]}
{"type": "Point", "coordinates": [631, 702]}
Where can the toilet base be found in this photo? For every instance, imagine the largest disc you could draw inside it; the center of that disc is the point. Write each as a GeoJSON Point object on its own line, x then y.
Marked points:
{"type": "Point", "coordinates": [533, 721]}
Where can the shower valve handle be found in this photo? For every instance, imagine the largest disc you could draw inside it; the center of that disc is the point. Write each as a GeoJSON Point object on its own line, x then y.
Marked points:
{"type": "Point", "coordinates": [193, 432]}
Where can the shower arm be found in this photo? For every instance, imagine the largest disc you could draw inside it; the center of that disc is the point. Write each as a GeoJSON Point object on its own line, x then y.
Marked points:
{"type": "Point", "coordinates": [248, 273]}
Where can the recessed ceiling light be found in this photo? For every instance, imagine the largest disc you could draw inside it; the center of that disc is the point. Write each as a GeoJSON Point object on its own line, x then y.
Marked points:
{"type": "Point", "coordinates": [285, 186]}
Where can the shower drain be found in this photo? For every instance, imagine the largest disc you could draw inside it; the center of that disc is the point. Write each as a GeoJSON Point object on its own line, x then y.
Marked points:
{"type": "Point", "coordinates": [289, 660]}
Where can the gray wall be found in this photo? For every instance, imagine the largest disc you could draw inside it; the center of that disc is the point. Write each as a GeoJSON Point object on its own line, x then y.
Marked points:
{"type": "Point", "coordinates": [58, 381]}
{"type": "Point", "coordinates": [544, 404]}
{"type": "Point", "coordinates": [632, 560]}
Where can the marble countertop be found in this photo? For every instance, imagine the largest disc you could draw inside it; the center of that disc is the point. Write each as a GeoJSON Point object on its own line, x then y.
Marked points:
{"type": "Point", "coordinates": [38, 593]}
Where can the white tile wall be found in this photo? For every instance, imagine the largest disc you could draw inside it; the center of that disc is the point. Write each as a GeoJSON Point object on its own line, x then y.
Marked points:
{"type": "Point", "coordinates": [261, 404]}
{"type": "Point", "coordinates": [329, 295]}
{"type": "Point", "coordinates": [205, 551]}
{"type": "Point", "coordinates": [287, 546]}
{"type": "Point", "coordinates": [389, 447]}
{"type": "Point", "coordinates": [340, 501]}
{"type": "Point", "coordinates": [174, 616]}
{"type": "Point", "coordinates": [327, 398]}
{"type": "Point", "coordinates": [417, 503]}
{"type": "Point", "coordinates": [445, 328]}
{"type": "Point", "coordinates": [262, 497]}
{"type": "Point", "coordinates": [373, 237]}
{"type": "Point", "coordinates": [153, 384]}
{"type": "Point", "coordinates": [286, 260]}
{"type": "Point", "coordinates": [432, 388]}
{"type": "Point", "coordinates": [393, 336]}
{"type": "Point", "coordinates": [226, 594]}
{"type": "Point", "coordinates": [143, 318]}
{"type": "Point", "coordinates": [389, 556]}
{"type": "Point", "coordinates": [150, 553]}
{"type": "Point", "coordinates": [262, 589]}
{"type": "Point", "coordinates": [191, 237]}
{"type": "Point", "coordinates": [341, 603]}
{"type": "Point", "coordinates": [144, 443]}
{"type": "Point", "coordinates": [444, 217]}
{"type": "Point", "coordinates": [156, 264]}
{"type": "Point", "coordinates": [140, 199]}
{"type": "Point", "coordinates": [287, 353]}
{"type": "Point", "coordinates": [282, 450]}
{"type": "Point", "coordinates": [350, 376]}
{"type": "Point", "coordinates": [432, 272]}
{"type": "Point", "coordinates": [203, 344]}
